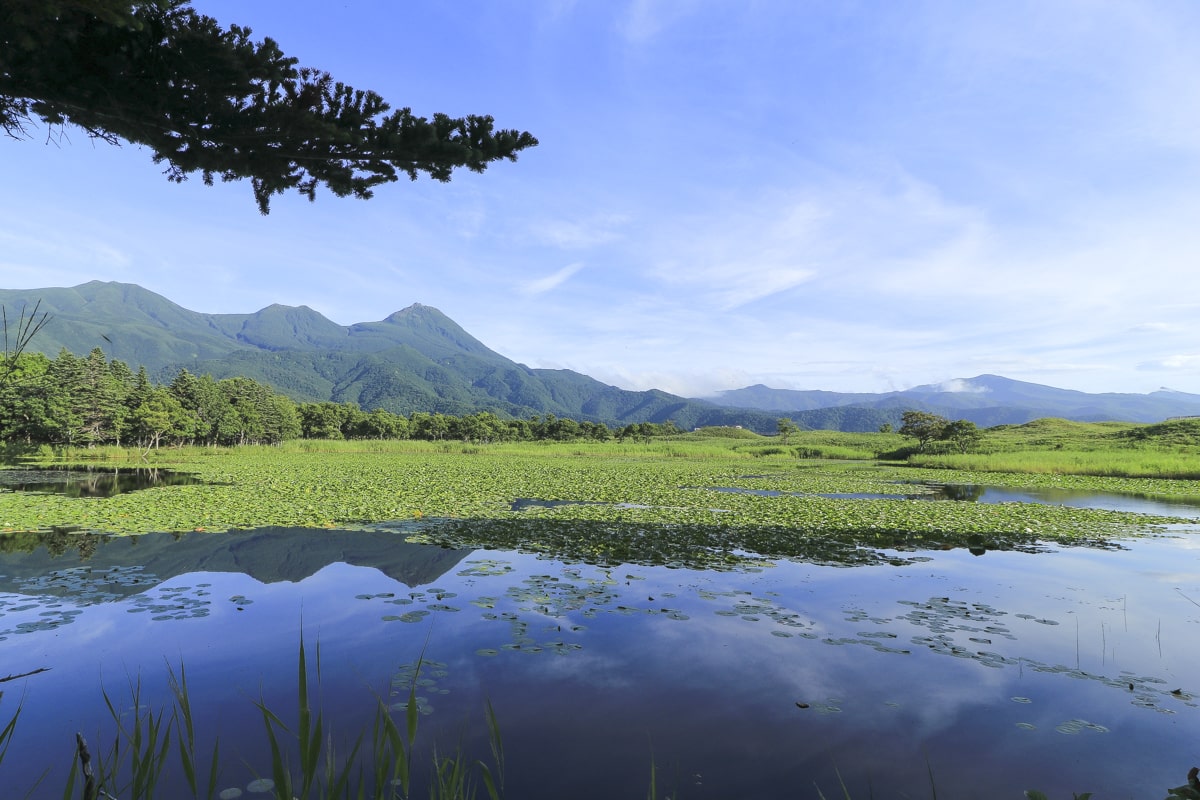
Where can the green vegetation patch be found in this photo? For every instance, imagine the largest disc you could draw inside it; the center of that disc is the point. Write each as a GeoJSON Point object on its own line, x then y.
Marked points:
{"type": "Point", "coordinates": [608, 503]}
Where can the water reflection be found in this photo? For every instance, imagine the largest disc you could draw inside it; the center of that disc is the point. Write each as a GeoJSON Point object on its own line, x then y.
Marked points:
{"type": "Point", "coordinates": [91, 481]}
{"type": "Point", "coordinates": [1107, 501]}
{"type": "Point", "coordinates": [1073, 669]}
{"type": "Point", "coordinates": [976, 493]}
{"type": "Point", "coordinates": [94, 568]}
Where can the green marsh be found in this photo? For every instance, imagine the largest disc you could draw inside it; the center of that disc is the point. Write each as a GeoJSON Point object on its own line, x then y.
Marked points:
{"type": "Point", "coordinates": [327, 484]}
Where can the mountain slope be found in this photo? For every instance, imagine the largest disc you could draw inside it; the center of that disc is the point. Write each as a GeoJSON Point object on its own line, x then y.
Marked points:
{"type": "Point", "coordinates": [416, 359]}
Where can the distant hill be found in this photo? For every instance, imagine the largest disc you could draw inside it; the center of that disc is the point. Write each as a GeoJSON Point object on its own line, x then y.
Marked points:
{"type": "Point", "coordinates": [418, 359]}
{"type": "Point", "coordinates": [986, 400]}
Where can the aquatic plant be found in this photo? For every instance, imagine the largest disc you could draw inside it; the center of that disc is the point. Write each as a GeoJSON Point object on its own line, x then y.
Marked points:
{"type": "Point", "coordinates": [304, 763]}
{"type": "Point", "coordinates": [340, 487]}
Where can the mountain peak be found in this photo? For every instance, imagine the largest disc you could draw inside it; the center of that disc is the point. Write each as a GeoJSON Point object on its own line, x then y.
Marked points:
{"type": "Point", "coordinates": [415, 311]}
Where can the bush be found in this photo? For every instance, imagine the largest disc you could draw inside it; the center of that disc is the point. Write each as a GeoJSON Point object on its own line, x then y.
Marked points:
{"type": "Point", "coordinates": [899, 454]}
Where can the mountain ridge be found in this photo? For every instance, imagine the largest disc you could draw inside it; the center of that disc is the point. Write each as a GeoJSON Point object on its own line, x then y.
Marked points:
{"type": "Point", "coordinates": [418, 359]}
{"type": "Point", "coordinates": [985, 399]}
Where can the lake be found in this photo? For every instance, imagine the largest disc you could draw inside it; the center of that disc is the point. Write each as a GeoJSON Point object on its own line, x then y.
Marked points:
{"type": "Point", "coordinates": [1066, 669]}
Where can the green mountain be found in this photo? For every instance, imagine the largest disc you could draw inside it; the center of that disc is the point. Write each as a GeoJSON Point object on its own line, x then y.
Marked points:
{"type": "Point", "coordinates": [417, 359]}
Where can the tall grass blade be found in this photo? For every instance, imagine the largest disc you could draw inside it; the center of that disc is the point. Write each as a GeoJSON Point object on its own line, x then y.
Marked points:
{"type": "Point", "coordinates": [305, 725]}
{"type": "Point", "coordinates": [842, 783]}
{"type": "Point", "coordinates": [6, 734]}
{"type": "Point", "coordinates": [451, 781]}
{"type": "Point", "coordinates": [497, 744]}
{"type": "Point", "coordinates": [185, 731]}
{"type": "Point", "coordinates": [279, 768]}
{"type": "Point", "coordinates": [338, 781]}
{"type": "Point", "coordinates": [213, 771]}
{"type": "Point", "coordinates": [390, 748]}
{"type": "Point", "coordinates": [410, 712]}
{"type": "Point", "coordinates": [489, 783]}
{"type": "Point", "coordinates": [69, 788]}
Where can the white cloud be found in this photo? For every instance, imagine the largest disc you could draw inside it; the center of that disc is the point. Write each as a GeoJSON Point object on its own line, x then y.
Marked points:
{"type": "Point", "coordinates": [553, 281]}
{"type": "Point", "coordinates": [579, 234]}
{"type": "Point", "coordinates": [685, 383]}
{"type": "Point", "coordinates": [1155, 327]}
{"type": "Point", "coordinates": [962, 387]}
{"type": "Point", "coordinates": [1181, 363]}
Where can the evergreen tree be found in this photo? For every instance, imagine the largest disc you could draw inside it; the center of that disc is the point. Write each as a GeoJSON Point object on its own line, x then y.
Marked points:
{"type": "Point", "coordinates": [280, 420]}
{"type": "Point", "coordinates": [210, 100]}
{"type": "Point", "coordinates": [100, 398]}
{"type": "Point", "coordinates": [204, 401]}
{"type": "Point", "coordinates": [26, 406]}
{"type": "Point", "coordinates": [65, 376]}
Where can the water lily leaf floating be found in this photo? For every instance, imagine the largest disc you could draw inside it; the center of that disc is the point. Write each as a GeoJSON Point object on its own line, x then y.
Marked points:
{"type": "Point", "coordinates": [1074, 726]}
{"type": "Point", "coordinates": [260, 786]}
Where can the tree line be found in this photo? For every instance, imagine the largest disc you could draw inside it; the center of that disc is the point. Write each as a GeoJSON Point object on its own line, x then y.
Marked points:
{"type": "Point", "coordinates": [92, 401]}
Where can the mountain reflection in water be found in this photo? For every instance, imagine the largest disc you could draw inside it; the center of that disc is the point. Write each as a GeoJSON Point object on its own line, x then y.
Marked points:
{"type": "Point", "coordinates": [1073, 668]}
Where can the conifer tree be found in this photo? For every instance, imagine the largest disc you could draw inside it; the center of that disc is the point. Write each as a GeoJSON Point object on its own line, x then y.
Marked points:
{"type": "Point", "coordinates": [210, 100]}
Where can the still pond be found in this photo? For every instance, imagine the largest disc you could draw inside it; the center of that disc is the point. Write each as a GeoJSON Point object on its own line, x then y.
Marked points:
{"type": "Point", "coordinates": [899, 674]}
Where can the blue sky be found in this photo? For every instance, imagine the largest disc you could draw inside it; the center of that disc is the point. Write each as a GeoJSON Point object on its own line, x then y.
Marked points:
{"type": "Point", "coordinates": [854, 196]}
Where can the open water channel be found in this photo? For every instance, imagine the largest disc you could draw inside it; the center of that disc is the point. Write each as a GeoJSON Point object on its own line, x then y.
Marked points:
{"type": "Point", "coordinates": [906, 674]}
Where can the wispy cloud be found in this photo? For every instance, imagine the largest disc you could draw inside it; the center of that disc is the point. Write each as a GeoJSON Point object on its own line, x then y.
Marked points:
{"type": "Point", "coordinates": [1155, 327]}
{"type": "Point", "coordinates": [643, 20]}
{"type": "Point", "coordinates": [552, 281]}
{"type": "Point", "coordinates": [83, 250]}
{"type": "Point", "coordinates": [1173, 363]}
{"type": "Point", "coordinates": [578, 234]}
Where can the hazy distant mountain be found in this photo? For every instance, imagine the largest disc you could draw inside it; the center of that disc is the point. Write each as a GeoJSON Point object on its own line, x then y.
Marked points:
{"type": "Point", "coordinates": [418, 359]}
{"type": "Point", "coordinates": [985, 400]}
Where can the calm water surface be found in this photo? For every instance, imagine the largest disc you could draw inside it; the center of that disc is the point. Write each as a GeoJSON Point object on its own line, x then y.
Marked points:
{"type": "Point", "coordinates": [91, 482]}
{"type": "Point", "coordinates": [1069, 670]}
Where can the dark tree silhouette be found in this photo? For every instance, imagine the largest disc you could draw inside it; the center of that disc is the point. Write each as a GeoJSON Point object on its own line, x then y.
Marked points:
{"type": "Point", "coordinates": [210, 100]}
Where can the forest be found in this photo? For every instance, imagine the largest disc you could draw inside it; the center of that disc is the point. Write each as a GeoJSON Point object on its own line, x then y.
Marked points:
{"type": "Point", "coordinates": [91, 401]}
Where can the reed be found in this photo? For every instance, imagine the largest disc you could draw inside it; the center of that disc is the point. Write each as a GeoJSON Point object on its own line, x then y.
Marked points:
{"type": "Point", "coordinates": [305, 763]}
